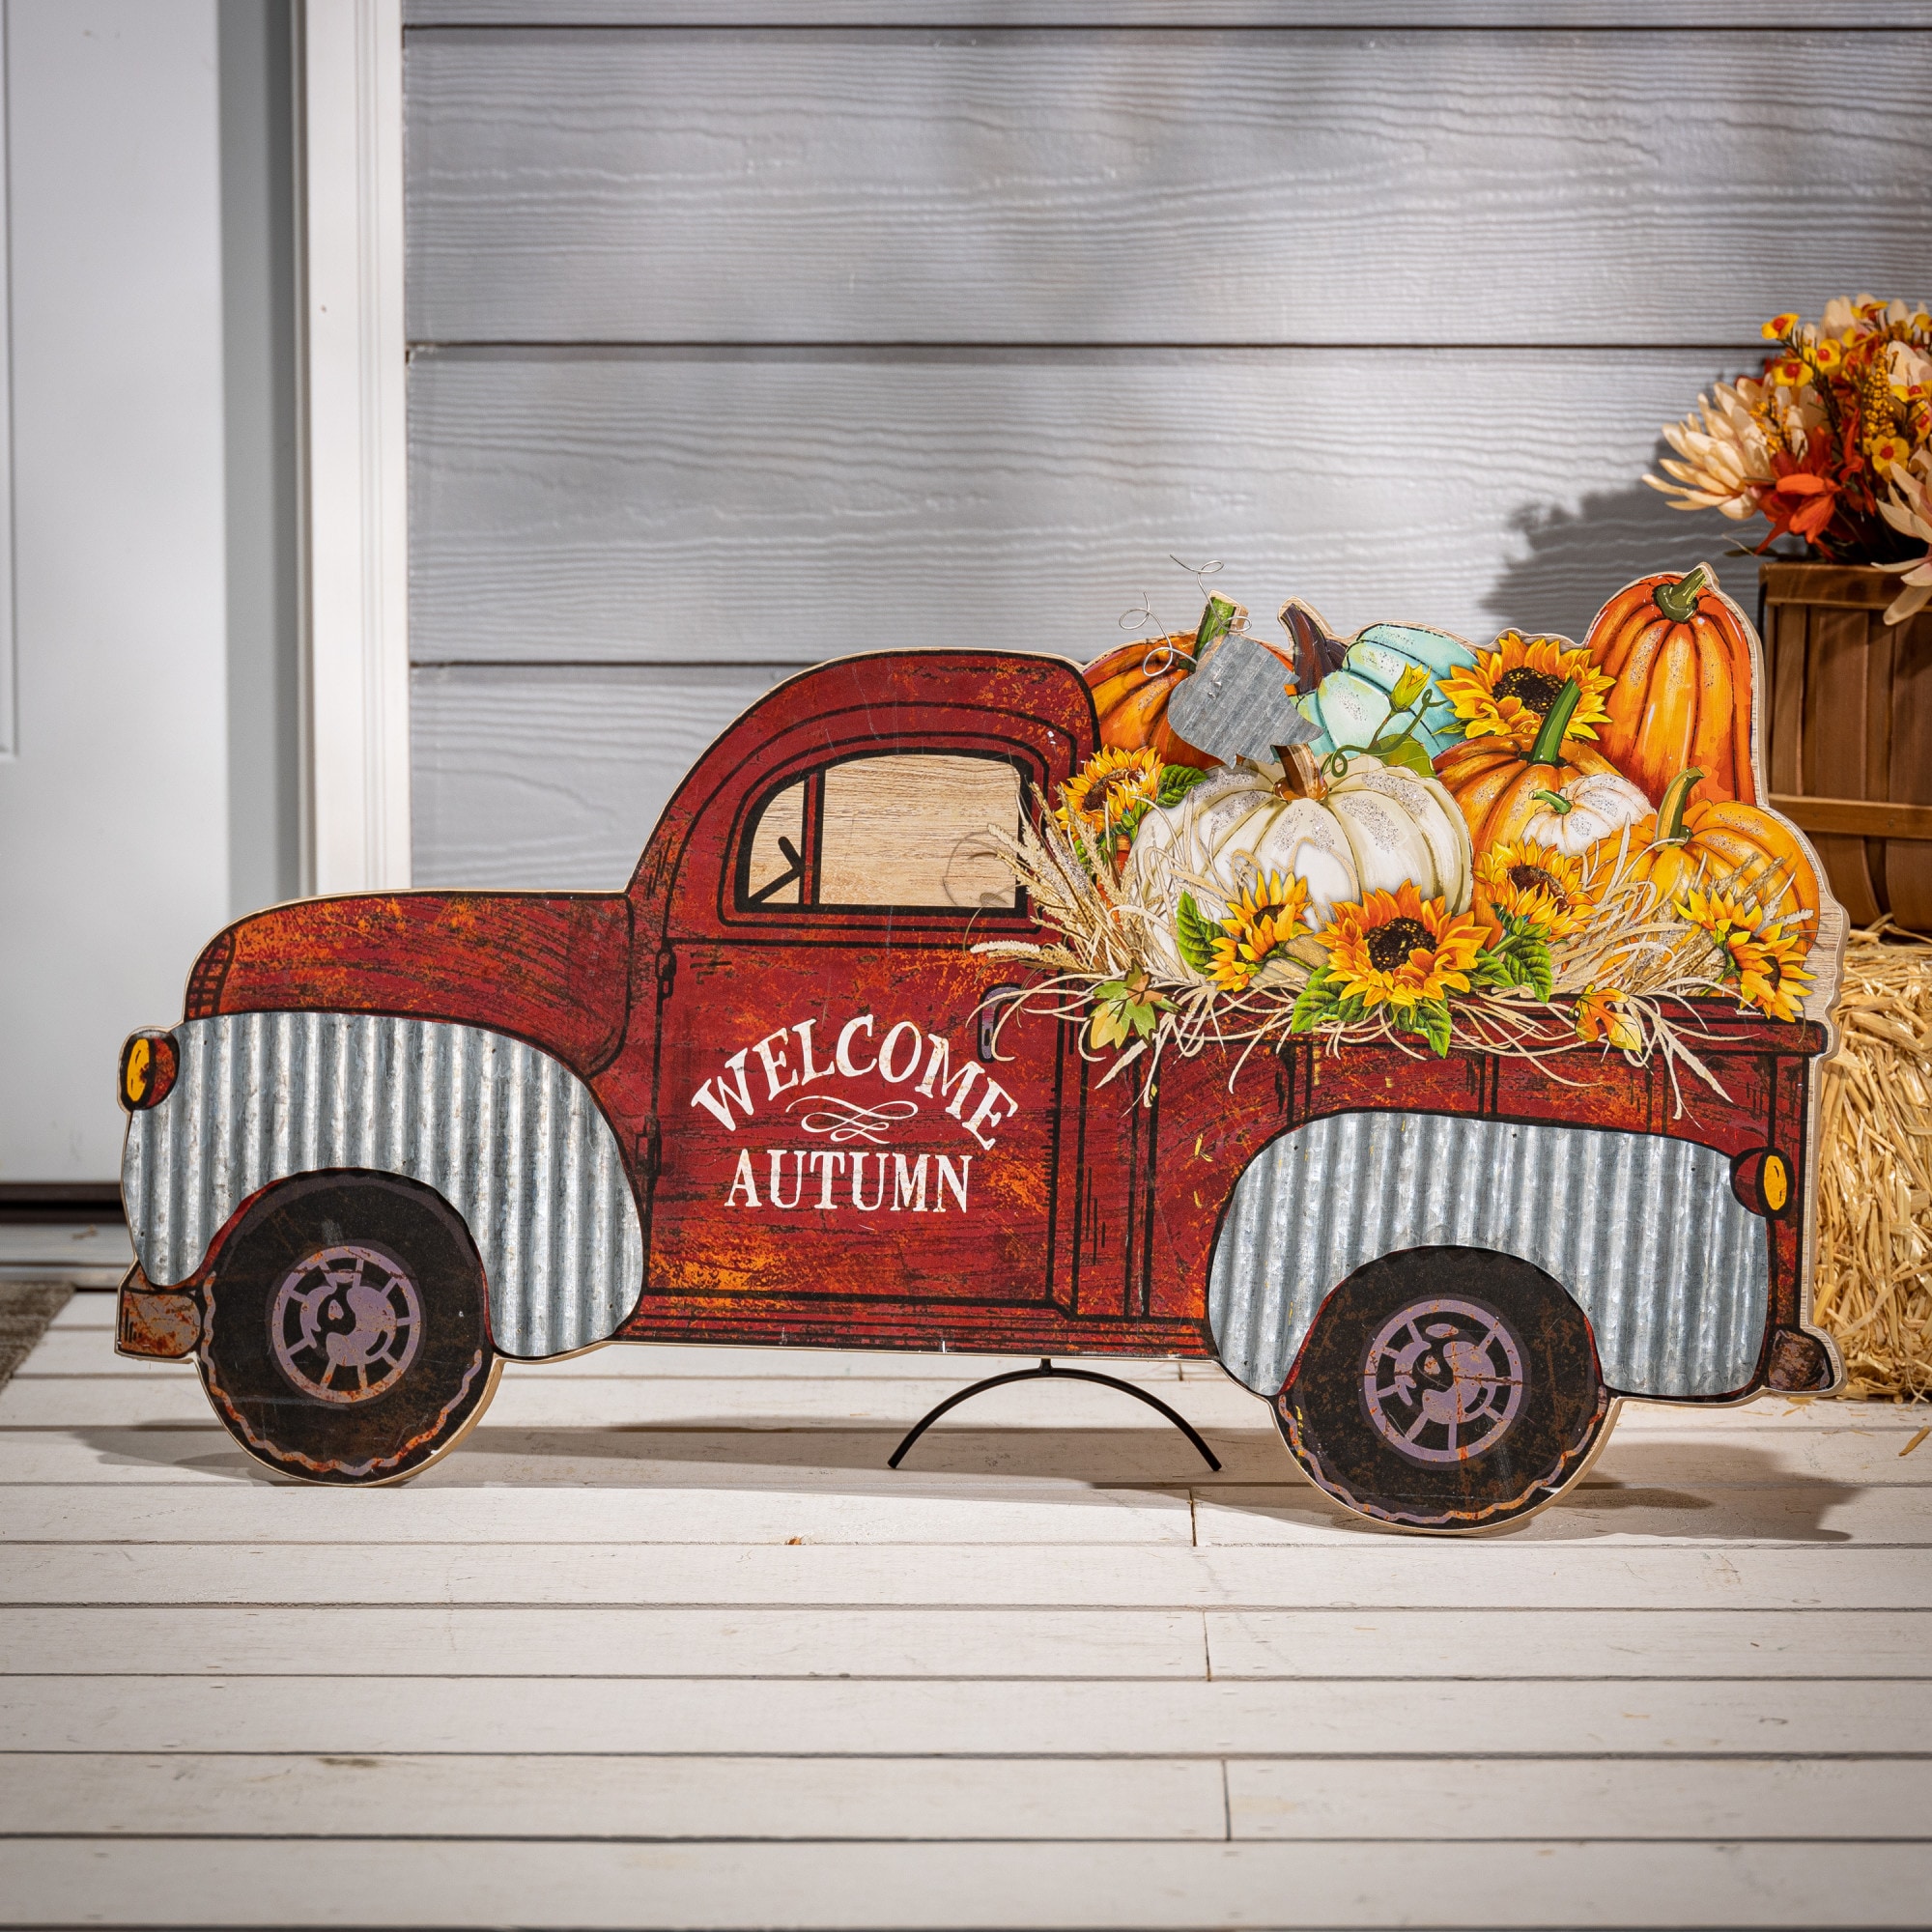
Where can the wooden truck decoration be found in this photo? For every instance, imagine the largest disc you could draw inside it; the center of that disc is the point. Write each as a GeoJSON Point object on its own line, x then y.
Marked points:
{"type": "Point", "coordinates": [1429, 1033]}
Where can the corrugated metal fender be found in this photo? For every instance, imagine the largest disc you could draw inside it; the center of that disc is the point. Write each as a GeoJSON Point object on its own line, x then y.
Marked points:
{"type": "Point", "coordinates": [1646, 1232]}
{"type": "Point", "coordinates": [508, 1136]}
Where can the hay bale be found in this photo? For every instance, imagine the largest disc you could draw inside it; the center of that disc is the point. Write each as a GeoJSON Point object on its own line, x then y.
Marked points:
{"type": "Point", "coordinates": [1873, 1282]}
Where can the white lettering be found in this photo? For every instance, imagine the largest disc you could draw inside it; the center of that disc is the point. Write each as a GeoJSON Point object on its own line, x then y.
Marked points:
{"type": "Point", "coordinates": [939, 1065]}
{"type": "Point", "coordinates": [987, 1113]}
{"type": "Point", "coordinates": [743, 1178]}
{"type": "Point", "coordinates": [808, 1072]}
{"type": "Point", "coordinates": [887, 1060]}
{"type": "Point", "coordinates": [828, 1164]}
{"type": "Point", "coordinates": [955, 1181]}
{"type": "Point", "coordinates": [797, 1176]}
{"type": "Point", "coordinates": [846, 1063]}
{"type": "Point", "coordinates": [716, 1103]}
{"type": "Point", "coordinates": [908, 1186]}
{"type": "Point", "coordinates": [858, 1173]}
{"type": "Point", "coordinates": [775, 1064]}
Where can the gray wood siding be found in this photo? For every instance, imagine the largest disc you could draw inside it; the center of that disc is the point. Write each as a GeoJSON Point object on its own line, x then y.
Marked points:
{"type": "Point", "coordinates": [742, 347]}
{"type": "Point", "coordinates": [1133, 187]}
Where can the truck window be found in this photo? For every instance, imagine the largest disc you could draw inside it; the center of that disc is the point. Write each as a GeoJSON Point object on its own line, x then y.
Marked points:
{"type": "Point", "coordinates": [899, 829]}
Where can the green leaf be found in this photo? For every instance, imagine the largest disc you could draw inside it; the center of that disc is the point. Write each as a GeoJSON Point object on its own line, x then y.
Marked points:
{"type": "Point", "coordinates": [1110, 991]}
{"type": "Point", "coordinates": [1196, 934]}
{"type": "Point", "coordinates": [1405, 751]}
{"type": "Point", "coordinates": [1141, 1015]}
{"type": "Point", "coordinates": [1432, 1021]}
{"type": "Point", "coordinates": [1538, 973]}
{"type": "Point", "coordinates": [1315, 1003]}
{"type": "Point", "coordinates": [1176, 782]}
{"type": "Point", "coordinates": [1497, 968]}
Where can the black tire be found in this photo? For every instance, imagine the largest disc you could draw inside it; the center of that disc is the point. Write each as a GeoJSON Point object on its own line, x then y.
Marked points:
{"type": "Point", "coordinates": [1446, 1389]}
{"type": "Point", "coordinates": [348, 1329]}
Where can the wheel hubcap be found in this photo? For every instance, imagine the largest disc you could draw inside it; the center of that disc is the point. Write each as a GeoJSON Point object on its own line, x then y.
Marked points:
{"type": "Point", "coordinates": [1442, 1380]}
{"type": "Point", "coordinates": [345, 1324]}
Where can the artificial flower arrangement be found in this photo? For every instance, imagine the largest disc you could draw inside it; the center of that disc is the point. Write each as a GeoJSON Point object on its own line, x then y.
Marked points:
{"type": "Point", "coordinates": [1535, 848]}
{"type": "Point", "coordinates": [1831, 442]}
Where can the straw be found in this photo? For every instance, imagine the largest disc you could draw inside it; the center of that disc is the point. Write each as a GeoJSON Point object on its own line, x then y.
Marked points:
{"type": "Point", "coordinates": [1871, 1287]}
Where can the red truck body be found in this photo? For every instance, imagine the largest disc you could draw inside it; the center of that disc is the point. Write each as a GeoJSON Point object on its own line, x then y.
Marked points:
{"type": "Point", "coordinates": [829, 1143]}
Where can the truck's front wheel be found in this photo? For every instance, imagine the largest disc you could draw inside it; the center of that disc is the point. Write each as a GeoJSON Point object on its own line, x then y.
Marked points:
{"type": "Point", "coordinates": [347, 1334]}
{"type": "Point", "coordinates": [1446, 1389]}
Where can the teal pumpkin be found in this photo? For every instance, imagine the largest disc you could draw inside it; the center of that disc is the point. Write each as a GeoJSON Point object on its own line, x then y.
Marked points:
{"type": "Point", "coordinates": [1351, 706]}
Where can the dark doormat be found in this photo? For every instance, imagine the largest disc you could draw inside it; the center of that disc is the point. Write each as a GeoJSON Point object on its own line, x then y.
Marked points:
{"type": "Point", "coordinates": [26, 1307]}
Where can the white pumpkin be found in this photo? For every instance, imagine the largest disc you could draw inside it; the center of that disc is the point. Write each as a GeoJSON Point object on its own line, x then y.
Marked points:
{"type": "Point", "coordinates": [1367, 831]}
{"type": "Point", "coordinates": [1590, 809]}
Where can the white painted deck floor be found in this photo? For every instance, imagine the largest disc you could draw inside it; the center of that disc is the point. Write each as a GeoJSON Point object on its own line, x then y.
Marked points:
{"type": "Point", "coordinates": [666, 1645]}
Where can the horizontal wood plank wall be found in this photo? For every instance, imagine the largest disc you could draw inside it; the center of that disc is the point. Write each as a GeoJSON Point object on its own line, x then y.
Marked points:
{"type": "Point", "coordinates": [742, 342]}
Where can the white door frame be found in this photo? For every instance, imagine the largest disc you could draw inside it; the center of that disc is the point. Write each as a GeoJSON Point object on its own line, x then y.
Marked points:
{"type": "Point", "coordinates": [354, 455]}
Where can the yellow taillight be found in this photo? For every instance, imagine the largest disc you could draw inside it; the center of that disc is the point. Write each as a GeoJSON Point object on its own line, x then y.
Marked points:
{"type": "Point", "coordinates": [148, 1068]}
{"type": "Point", "coordinates": [1774, 1183]}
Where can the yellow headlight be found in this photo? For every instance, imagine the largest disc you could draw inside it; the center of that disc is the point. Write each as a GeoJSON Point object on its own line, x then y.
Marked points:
{"type": "Point", "coordinates": [148, 1066]}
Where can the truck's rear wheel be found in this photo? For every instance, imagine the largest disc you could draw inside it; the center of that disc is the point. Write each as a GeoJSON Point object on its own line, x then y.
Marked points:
{"type": "Point", "coordinates": [1446, 1389]}
{"type": "Point", "coordinates": [348, 1336]}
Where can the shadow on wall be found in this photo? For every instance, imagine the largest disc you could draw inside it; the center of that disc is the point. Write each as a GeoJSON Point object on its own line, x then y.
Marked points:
{"type": "Point", "coordinates": [1574, 561]}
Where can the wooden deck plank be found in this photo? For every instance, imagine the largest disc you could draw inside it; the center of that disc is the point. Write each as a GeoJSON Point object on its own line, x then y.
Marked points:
{"type": "Point", "coordinates": [1039, 1460]}
{"type": "Point", "coordinates": [531, 1795]}
{"type": "Point", "coordinates": [1605, 1511]}
{"type": "Point", "coordinates": [643, 1797]}
{"type": "Point", "coordinates": [226, 1882]}
{"type": "Point", "coordinates": [472, 1641]}
{"type": "Point", "coordinates": [534, 1398]}
{"type": "Point", "coordinates": [1549, 1797]}
{"type": "Point", "coordinates": [691, 1454]}
{"type": "Point", "coordinates": [899, 1506]}
{"type": "Point", "coordinates": [1710, 1643]}
{"type": "Point", "coordinates": [931, 1717]}
{"type": "Point", "coordinates": [907, 1512]}
{"type": "Point", "coordinates": [1380, 1572]}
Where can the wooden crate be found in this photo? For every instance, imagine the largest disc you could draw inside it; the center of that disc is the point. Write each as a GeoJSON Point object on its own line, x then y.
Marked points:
{"type": "Point", "coordinates": [1849, 737]}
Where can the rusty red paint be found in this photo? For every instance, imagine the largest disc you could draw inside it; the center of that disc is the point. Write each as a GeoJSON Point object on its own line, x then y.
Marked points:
{"type": "Point", "coordinates": [155, 1325]}
{"type": "Point", "coordinates": [550, 968]}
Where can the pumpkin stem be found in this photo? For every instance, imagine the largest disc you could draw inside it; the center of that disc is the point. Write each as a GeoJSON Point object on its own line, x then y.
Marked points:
{"type": "Point", "coordinates": [1562, 807]}
{"type": "Point", "coordinates": [1301, 773]}
{"type": "Point", "coordinates": [1549, 747]}
{"type": "Point", "coordinates": [1671, 809]}
{"type": "Point", "coordinates": [1679, 601]}
{"type": "Point", "coordinates": [1216, 621]}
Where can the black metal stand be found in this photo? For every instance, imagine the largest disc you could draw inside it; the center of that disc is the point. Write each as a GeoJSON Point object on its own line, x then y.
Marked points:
{"type": "Point", "coordinates": [1046, 1367]}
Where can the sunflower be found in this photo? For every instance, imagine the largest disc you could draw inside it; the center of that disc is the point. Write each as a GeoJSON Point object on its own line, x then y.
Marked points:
{"type": "Point", "coordinates": [1727, 919]}
{"type": "Point", "coordinates": [1399, 950]}
{"type": "Point", "coordinates": [1534, 885]}
{"type": "Point", "coordinates": [1769, 977]}
{"type": "Point", "coordinates": [1509, 691]}
{"type": "Point", "coordinates": [1111, 787]}
{"type": "Point", "coordinates": [1270, 914]}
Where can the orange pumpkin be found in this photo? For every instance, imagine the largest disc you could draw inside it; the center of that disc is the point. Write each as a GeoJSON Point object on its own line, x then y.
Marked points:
{"type": "Point", "coordinates": [1133, 684]}
{"type": "Point", "coordinates": [1681, 654]}
{"type": "Point", "coordinates": [1501, 788]}
{"type": "Point", "coordinates": [1131, 687]}
{"type": "Point", "coordinates": [1728, 845]}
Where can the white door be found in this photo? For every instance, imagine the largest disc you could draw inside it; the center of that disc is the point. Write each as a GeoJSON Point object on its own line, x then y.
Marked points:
{"type": "Point", "coordinates": [114, 839]}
